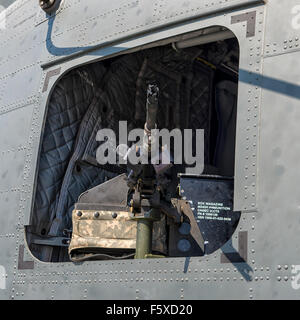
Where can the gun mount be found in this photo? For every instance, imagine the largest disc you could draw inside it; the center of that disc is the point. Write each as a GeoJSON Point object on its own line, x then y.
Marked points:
{"type": "Point", "coordinates": [128, 216]}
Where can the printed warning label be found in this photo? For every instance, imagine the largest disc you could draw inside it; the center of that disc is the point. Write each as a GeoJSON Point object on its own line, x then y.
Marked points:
{"type": "Point", "coordinates": [211, 211]}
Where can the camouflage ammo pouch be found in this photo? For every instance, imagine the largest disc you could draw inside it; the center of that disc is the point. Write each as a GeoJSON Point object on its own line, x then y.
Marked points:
{"type": "Point", "coordinates": [105, 235]}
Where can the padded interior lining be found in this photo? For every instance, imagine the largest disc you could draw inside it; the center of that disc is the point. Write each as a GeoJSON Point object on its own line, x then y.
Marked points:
{"type": "Point", "coordinates": [101, 94]}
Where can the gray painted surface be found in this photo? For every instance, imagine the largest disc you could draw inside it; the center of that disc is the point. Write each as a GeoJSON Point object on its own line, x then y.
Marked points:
{"type": "Point", "coordinates": [266, 181]}
{"type": "Point", "coordinates": [6, 3]}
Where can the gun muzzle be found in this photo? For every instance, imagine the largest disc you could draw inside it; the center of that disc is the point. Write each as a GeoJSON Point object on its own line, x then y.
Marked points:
{"type": "Point", "coordinates": [152, 106]}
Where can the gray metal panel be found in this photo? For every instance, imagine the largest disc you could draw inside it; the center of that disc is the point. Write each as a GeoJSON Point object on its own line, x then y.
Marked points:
{"type": "Point", "coordinates": [124, 19]}
{"type": "Point", "coordinates": [6, 3]}
{"type": "Point", "coordinates": [14, 131]}
{"type": "Point", "coordinates": [7, 260]}
{"type": "Point", "coordinates": [251, 49]}
{"type": "Point", "coordinates": [277, 231]}
{"type": "Point", "coordinates": [284, 32]}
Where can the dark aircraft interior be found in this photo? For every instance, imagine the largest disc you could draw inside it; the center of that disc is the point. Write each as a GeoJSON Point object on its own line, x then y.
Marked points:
{"type": "Point", "coordinates": [198, 89]}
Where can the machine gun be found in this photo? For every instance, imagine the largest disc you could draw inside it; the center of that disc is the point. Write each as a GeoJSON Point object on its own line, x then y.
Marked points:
{"type": "Point", "coordinates": [120, 214]}
{"type": "Point", "coordinates": [145, 180]}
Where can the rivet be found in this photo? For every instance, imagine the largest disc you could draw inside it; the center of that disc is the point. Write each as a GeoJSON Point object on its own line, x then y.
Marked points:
{"type": "Point", "coordinates": [114, 215]}
{"type": "Point", "coordinates": [79, 214]}
{"type": "Point", "coordinates": [97, 214]}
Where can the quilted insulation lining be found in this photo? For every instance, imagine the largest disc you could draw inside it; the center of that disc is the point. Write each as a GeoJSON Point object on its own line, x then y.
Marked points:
{"type": "Point", "coordinates": [67, 106]}
{"type": "Point", "coordinates": [98, 96]}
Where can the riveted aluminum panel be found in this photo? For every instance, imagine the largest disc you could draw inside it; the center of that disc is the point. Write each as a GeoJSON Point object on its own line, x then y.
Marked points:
{"type": "Point", "coordinates": [283, 33]}
{"type": "Point", "coordinates": [14, 132]}
{"type": "Point", "coordinates": [73, 31]}
{"type": "Point", "coordinates": [7, 259]}
{"type": "Point", "coordinates": [277, 238]}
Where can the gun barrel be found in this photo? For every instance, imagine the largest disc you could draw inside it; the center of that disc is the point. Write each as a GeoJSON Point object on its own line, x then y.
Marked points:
{"type": "Point", "coordinates": [152, 106]}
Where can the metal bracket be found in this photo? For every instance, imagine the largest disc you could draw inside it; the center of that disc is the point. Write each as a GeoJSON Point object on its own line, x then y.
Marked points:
{"type": "Point", "coordinates": [242, 254]}
{"type": "Point", "coordinates": [250, 18]}
{"type": "Point", "coordinates": [24, 265]}
{"type": "Point", "coordinates": [55, 242]}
